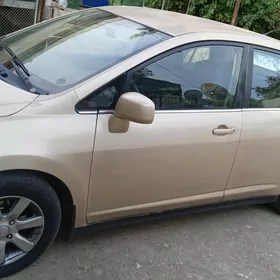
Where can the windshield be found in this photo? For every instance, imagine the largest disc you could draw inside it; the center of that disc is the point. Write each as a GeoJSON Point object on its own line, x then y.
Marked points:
{"type": "Point", "coordinates": [68, 50]}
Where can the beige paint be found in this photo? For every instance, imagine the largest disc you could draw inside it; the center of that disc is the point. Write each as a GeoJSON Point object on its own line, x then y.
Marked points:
{"type": "Point", "coordinates": [117, 125]}
{"type": "Point", "coordinates": [251, 192]}
{"type": "Point", "coordinates": [170, 159]}
{"type": "Point", "coordinates": [131, 107]}
{"type": "Point", "coordinates": [135, 107]}
{"type": "Point", "coordinates": [258, 157]}
{"type": "Point", "coordinates": [174, 23]}
{"type": "Point", "coordinates": [13, 99]}
{"type": "Point", "coordinates": [50, 136]}
{"type": "Point", "coordinates": [157, 207]}
{"type": "Point", "coordinates": [174, 162]}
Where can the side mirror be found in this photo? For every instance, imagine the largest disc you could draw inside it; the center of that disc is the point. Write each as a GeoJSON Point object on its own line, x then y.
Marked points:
{"type": "Point", "coordinates": [131, 107]}
{"type": "Point", "coordinates": [193, 95]}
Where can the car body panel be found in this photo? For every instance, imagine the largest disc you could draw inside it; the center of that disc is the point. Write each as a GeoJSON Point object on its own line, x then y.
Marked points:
{"type": "Point", "coordinates": [13, 99]}
{"type": "Point", "coordinates": [258, 157]}
{"type": "Point", "coordinates": [251, 191]}
{"type": "Point", "coordinates": [162, 165]}
{"type": "Point", "coordinates": [173, 23]}
{"type": "Point", "coordinates": [49, 136]}
{"type": "Point", "coordinates": [154, 207]}
{"type": "Point", "coordinates": [111, 176]}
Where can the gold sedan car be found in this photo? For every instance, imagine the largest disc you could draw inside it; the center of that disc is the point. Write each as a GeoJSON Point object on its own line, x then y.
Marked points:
{"type": "Point", "coordinates": [120, 112]}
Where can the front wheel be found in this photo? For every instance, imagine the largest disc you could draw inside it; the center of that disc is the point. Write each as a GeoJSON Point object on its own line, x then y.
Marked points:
{"type": "Point", "coordinates": [276, 205]}
{"type": "Point", "coordinates": [30, 217]}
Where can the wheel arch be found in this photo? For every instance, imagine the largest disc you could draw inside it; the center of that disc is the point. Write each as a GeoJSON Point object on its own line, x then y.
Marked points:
{"type": "Point", "coordinates": [68, 209]}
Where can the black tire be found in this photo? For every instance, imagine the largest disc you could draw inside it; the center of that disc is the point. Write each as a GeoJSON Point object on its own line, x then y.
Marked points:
{"type": "Point", "coordinates": [276, 205]}
{"type": "Point", "coordinates": [39, 191]}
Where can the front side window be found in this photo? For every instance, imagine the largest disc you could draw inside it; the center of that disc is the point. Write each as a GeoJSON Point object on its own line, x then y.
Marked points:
{"type": "Point", "coordinates": [197, 78]}
{"type": "Point", "coordinates": [104, 97]}
{"type": "Point", "coordinates": [197, 54]}
{"type": "Point", "coordinates": [68, 50]}
{"type": "Point", "coordinates": [265, 92]}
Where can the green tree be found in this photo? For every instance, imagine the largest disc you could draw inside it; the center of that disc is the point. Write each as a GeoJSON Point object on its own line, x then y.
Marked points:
{"type": "Point", "coordinates": [179, 6]}
{"type": "Point", "coordinates": [257, 15]}
{"type": "Point", "coordinates": [260, 16]}
{"type": "Point", "coordinates": [269, 92]}
{"type": "Point", "coordinates": [272, 90]}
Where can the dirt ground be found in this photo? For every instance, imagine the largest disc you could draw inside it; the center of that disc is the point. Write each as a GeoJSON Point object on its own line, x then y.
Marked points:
{"type": "Point", "coordinates": [228, 244]}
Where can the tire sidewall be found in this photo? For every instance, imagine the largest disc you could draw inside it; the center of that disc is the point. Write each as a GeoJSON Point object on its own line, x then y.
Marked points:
{"type": "Point", "coordinates": [44, 196]}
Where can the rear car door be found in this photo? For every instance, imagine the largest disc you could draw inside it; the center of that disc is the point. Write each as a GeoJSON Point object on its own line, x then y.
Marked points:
{"type": "Point", "coordinates": [185, 157]}
{"type": "Point", "coordinates": [256, 169]}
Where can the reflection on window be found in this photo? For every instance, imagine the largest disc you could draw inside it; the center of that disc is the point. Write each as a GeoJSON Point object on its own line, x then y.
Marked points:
{"type": "Point", "coordinates": [197, 54]}
{"type": "Point", "coordinates": [68, 50]}
{"type": "Point", "coordinates": [265, 91]}
{"type": "Point", "coordinates": [103, 98]}
{"type": "Point", "coordinates": [197, 78]}
{"type": "Point", "coordinates": [267, 60]}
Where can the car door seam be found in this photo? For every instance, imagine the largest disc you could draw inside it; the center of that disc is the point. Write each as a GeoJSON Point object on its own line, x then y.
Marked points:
{"type": "Point", "coordinates": [91, 163]}
{"type": "Point", "coordinates": [237, 148]}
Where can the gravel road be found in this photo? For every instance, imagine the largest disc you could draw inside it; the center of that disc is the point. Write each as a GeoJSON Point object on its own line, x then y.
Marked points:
{"type": "Point", "coordinates": [227, 244]}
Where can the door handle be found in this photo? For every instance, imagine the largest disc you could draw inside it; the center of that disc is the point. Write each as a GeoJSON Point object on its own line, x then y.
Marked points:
{"type": "Point", "coordinates": [223, 131]}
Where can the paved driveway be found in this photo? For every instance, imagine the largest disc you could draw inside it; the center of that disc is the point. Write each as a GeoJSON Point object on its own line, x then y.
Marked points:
{"type": "Point", "coordinates": [227, 244]}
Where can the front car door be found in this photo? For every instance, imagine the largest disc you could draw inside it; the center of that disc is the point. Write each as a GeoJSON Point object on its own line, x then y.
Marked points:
{"type": "Point", "coordinates": [256, 169]}
{"type": "Point", "coordinates": [185, 157]}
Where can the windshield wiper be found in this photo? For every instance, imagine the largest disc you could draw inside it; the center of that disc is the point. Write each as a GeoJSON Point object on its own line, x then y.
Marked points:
{"type": "Point", "coordinates": [19, 67]}
{"type": "Point", "coordinates": [24, 77]}
{"type": "Point", "coordinates": [15, 59]}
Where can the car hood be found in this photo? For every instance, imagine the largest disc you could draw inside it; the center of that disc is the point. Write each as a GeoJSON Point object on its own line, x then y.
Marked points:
{"type": "Point", "coordinates": [13, 99]}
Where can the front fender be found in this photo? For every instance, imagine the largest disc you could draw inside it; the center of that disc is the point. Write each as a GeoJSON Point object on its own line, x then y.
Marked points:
{"type": "Point", "coordinates": [49, 136]}
{"type": "Point", "coordinates": [56, 169]}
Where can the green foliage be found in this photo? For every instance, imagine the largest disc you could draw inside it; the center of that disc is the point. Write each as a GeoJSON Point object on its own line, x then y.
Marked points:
{"type": "Point", "coordinates": [257, 15]}
{"type": "Point", "coordinates": [261, 15]}
{"type": "Point", "coordinates": [272, 90]}
{"type": "Point", "coordinates": [138, 3]}
{"type": "Point", "coordinates": [220, 10]}
{"type": "Point", "coordinates": [179, 6]}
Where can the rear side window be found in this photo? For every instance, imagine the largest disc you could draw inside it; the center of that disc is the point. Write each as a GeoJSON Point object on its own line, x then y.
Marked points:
{"type": "Point", "coordinates": [265, 92]}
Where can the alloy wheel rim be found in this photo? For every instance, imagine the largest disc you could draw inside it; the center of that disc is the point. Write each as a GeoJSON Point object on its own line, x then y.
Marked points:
{"type": "Point", "coordinates": [21, 227]}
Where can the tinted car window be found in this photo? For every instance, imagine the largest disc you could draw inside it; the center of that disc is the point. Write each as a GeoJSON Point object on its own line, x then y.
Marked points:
{"type": "Point", "coordinates": [103, 98]}
{"type": "Point", "coordinates": [68, 50]}
{"type": "Point", "coordinates": [265, 92]}
{"type": "Point", "coordinates": [200, 78]}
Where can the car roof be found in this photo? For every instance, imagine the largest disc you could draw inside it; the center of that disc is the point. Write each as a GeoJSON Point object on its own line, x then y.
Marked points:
{"type": "Point", "coordinates": [176, 24]}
